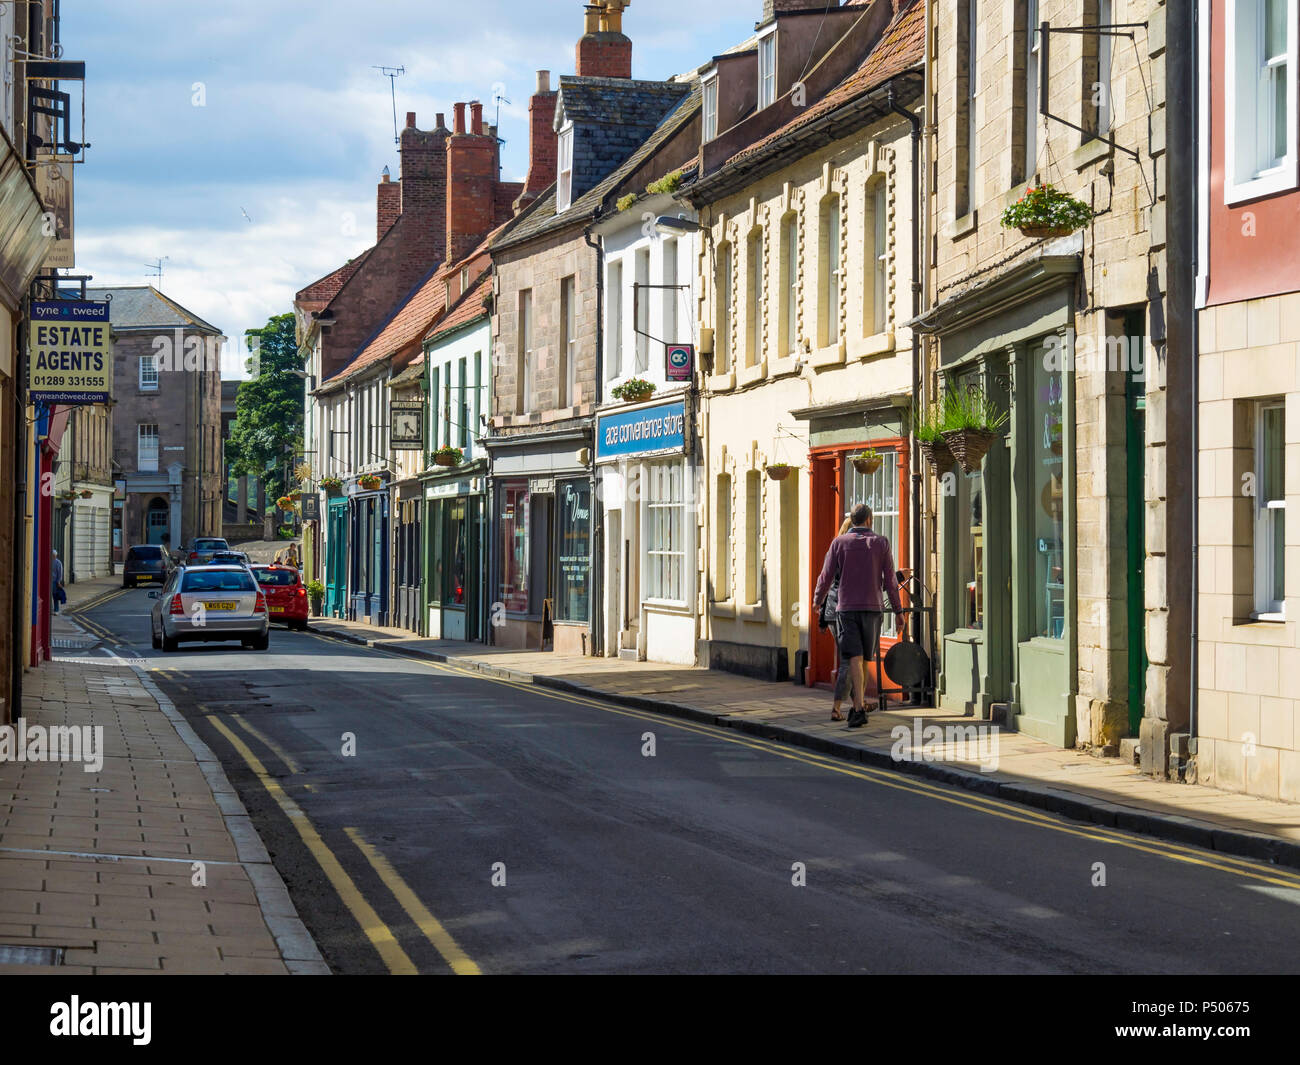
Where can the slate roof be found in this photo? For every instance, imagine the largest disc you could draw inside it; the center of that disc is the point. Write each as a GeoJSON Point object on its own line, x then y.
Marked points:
{"type": "Point", "coordinates": [541, 218]}
{"type": "Point", "coordinates": [901, 47]}
{"type": "Point", "coordinates": [144, 307]}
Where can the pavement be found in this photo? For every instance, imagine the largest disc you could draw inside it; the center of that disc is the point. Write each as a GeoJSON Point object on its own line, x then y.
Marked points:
{"type": "Point", "coordinates": [1010, 766]}
{"type": "Point", "coordinates": [141, 859]}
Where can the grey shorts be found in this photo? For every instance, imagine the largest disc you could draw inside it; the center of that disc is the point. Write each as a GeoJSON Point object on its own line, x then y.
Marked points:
{"type": "Point", "coordinates": [859, 632]}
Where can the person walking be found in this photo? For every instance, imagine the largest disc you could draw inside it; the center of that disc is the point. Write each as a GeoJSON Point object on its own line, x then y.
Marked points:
{"type": "Point", "coordinates": [827, 619]}
{"type": "Point", "coordinates": [864, 562]}
{"type": "Point", "coordinates": [57, 594]}
{"type": "Point", "coordinates": [291, 557]}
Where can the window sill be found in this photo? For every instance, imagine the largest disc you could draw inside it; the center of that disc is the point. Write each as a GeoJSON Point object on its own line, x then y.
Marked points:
{"type": "Point", "coordinates": [1282, 179]}
{"type": "Point", "coordinates": [959, 227]}
{"type": "Point", "coordinates": [1269, 618]}
{"type": "Point", "coordinates": [834, 355]}
{"type": "Point", "coordinates": [672, 606]}
{"type": "Point", "coordinates": [877, 344]}
{"type": "Point", "coordinates": [1090, 152]}
{"type": "Point", "coordinates": [750, 375]}
{"type": "Point", "coordinates": [751, 611]}
{"type": "Point", "coordinates": [783, 366]}
{"type": "Point", "coordinates": [722, 382]}
{"type": "Point", "coordinates": [723, 608]}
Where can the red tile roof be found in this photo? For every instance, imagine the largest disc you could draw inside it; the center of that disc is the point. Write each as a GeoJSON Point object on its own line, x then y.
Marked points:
{"type": "Point", "coordinates": [901, 47]}
{"type": "Point", "coordinates": [318, 294]}
{"type": "Point", "coordinates": [465, 309]}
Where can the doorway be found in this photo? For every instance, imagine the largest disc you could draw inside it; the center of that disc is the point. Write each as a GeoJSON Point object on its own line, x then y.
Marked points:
{"type": "Point", "coordinates": [157, 522]}
{"type": "Point", "coordinates": [454, 592]}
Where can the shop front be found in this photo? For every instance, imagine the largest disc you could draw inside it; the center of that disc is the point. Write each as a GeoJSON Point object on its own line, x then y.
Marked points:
{"type": "Point", "coordinates": [877, 439]}
{"type": "Point", "coordinates": [648, 494]}
{"type": "Point", "coordinates": [336, 556]}
{"type": "Point", "coordinates": [1007, 536]}
{"type": "Point", "coordinates": [408, 557]}
{"type": "Point", "coordinates": [454, 590]}
{"type": "Point", "coordinates": [542, 542]}
{"type": "Point", "coordinates": [368, 598]}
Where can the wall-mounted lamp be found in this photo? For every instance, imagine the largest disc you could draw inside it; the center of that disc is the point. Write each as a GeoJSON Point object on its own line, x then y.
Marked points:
{"type": "Point", "coordinates": [667, 223]}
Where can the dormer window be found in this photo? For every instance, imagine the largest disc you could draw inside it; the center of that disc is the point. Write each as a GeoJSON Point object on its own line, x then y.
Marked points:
{"type": "Point", "coordinates": [767, 70]}
{"type": "Point", "coordinates": [564, 189]}
{"type": "Point", "coordinates": [710, 109]}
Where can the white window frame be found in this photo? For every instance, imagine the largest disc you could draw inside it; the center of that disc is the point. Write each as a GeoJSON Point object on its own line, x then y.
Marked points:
{"type": "Point", "coordinates": [148, 383]}
{"type": "Point", "coordinates": [641, 301]}
{"type": "Point", "coordinates": [666, 512]}
{"type": "Point", "coordinates": [614, 320]}
{"type": "Point", "coordinates": [1105, 66]}
{"type": "Point", "coordinates": [879, 192]}
{"type": "Point", "coordinates": [564, 168]}
{"type": "Point", "coordinates": [568, 379]}
{"type": "Point", "coordinates": [767, 69]}
{"type": "Point", "coordinates": [1032, 57]}
{"type": "Point", "coordinates": [1247, 182]}
{"type": "Point", "coordinates": [1266, 607]}
{"type": "Point", "coordinates": [709, 107]}
{"type": "Point", "coordinates": [525, 341]}
{"type": "Point", "coordinates": [140, 437]}
{"type": "Point", "coordinates": [668, 269]}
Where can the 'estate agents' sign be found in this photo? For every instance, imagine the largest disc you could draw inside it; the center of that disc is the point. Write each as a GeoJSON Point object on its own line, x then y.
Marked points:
{"type": "Point", "coordinates": [70, 352]}
{"type": "Point", "coordinates": [657, 430]}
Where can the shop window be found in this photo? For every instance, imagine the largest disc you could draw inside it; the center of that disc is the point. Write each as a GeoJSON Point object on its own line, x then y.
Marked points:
{"type": "Point", "coordinates": [828, 258]}
{"type": "Point", "coordinates": [1270, 511]}
{"type": "Point", "coordinates": [1260, 98]}
{"type": "Point", "coordinates": [513, 546]}
{"type": "Point", "coordinates": [789, 324]}
{"type": "Point", "coordinates": [665, 517]}
{"type": "Point", "coordinates": [573, 602]}
{"type": "Point", "coordinates": [754, 536]}
{"type": "Point", "coordinates": [722, 561]}
{"type": "Point", "coordinates": [1047, 501]}
{"type": "Point", "coordinates": [879, 491]}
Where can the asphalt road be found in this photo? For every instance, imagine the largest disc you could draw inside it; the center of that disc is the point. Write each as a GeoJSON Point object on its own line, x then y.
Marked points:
{"type": "Point", "coordinates": [475, 825]}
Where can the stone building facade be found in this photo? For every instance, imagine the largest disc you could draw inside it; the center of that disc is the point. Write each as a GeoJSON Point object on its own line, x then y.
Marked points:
{"type": "Point", "coordinates": [1056, 611]}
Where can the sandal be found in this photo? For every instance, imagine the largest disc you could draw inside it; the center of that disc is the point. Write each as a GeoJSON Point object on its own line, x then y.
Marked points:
{"type": "Point", "coordinates": [836, 715]}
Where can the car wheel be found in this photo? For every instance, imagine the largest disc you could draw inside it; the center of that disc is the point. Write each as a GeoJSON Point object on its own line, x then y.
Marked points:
{"type": "Point", "coordinates": [262, 642]}
{"type": "Point", "coordinates": [170, 643]}
{"type": "Point", "coordinates": [301, 626]}
{"type": "Point", "coordinates": [153, 639]}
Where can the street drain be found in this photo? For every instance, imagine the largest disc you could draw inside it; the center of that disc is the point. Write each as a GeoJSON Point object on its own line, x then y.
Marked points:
{"type": "Point", "coordinates": [12, 955]}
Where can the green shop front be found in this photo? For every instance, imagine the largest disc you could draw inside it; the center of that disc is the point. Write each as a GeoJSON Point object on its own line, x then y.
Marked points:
{"type": "Point", "coordinates": [1007, 531]}
{"type": "Point", "coordinates": [454, 564]}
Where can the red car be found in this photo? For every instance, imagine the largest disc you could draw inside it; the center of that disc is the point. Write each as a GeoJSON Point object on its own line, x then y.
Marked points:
{"type": "Point", "coordinates": [286, 597]}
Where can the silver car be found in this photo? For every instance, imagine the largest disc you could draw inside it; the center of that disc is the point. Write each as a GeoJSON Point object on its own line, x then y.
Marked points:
{"type": "Point", "coordinates": [210, 603]}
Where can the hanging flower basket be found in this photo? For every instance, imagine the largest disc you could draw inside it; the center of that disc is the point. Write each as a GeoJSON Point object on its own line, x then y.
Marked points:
{"type": "Point", "coordinates": [778, 471]}
{"type": "Point", "coordinates": [936, 453]}
{"type": "Point", "coordinates": [969, 446]}
{"type": "Point", "coordinates": [284, 503]}
{"type": "Point", "coordinates": [295, 496]}
{"type": "Point", "coordinates": [448, 456]}
{"type": "Point", "coordinates": [371, 483]}
{"type": "Point", "coordinates": [868, 462]}
{"type": "Point", "coordinates": [634, 389]}
{"type": "Point", "coordinates": [332, 486]}
{"type": "Point", "coordinates": [1045, 211]}
{"type": "Point", "coordinates": [86, 493]}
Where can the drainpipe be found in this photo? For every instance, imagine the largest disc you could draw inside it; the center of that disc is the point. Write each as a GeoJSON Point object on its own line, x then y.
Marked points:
{"type": "Point", "coordinates": [597, 528]}
{"type": "Point", "coordinates": [1194, 184]}
{"type": "Point", "coordinates": [21, 436]}
{"type": "Point", "coordinates": [918, 559]}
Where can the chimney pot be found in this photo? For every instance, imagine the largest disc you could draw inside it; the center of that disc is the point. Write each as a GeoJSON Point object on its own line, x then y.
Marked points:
{"type": "Point", "coordinates": [476, 118]}
{"type": "Point", "coordinates": [442, 121]}
{"type": "Point", "coordinates": [543, 81]}
{"type": "Point", "coordinates": [458, 110]}
{"type": "Point", "coordinates": [410, 120]}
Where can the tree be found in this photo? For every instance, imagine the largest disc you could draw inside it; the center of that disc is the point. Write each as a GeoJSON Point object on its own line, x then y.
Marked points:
{"type": "Point", "coordinates": [268, 407]}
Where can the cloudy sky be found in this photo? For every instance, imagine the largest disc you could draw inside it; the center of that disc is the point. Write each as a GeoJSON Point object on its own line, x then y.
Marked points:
{"type": "Point", "coordinates": [243, 139]}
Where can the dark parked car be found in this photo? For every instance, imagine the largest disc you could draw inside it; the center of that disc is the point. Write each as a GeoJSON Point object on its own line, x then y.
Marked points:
{"type": "Point", "coordinates": [229, 558]}
{"type": "Point", "coordinates": [146, 562]}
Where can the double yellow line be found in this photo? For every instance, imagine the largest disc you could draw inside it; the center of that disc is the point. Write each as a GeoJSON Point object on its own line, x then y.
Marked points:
{"type": "Point", "coordinates": [376, 930]}
{"type": "Point", "coordinates": [889, 778]}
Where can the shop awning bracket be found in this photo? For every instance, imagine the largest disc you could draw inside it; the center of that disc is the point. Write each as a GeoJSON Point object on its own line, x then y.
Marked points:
{"type": "Point", "coordinates": [636, 306]}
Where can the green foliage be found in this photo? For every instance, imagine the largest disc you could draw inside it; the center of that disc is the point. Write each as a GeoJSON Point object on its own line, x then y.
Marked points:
{"type": "Point", "coordinates": [634, 388]}
{"type": "Point", "coordinates": [927, 425]}
{"type": "Point", "coordinates": [331, 484]}
{"type": "Point", "coordinates": [268, 408]}
{"type": "Point", "coordinates": [1049, 207]}
{"type": "Point", "coordinates": [285, 532]}
{"type": "Point", "coordinates": [315, 589]}
{"type": "Point", "coordinates": [666, 185]}
{"type": "Point", "coordinates": [624, 202]}
{"type": "Point", "coordinates": [969, 408]}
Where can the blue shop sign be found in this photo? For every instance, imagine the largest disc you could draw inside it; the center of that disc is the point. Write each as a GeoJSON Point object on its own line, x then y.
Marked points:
{"type": "Point", "coordinates": [656, 430]}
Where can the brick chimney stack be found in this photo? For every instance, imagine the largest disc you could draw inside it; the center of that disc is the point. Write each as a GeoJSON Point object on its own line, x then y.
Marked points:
{"type": "Point", "coordinates": [772, 8]}
{"type": "Point", "coordinates": [424, 190]}
{"type": "Point", "coordinates": [603, 50]}
{"type": "Point", "coordinates": [541, 142]}
{"type": "Point", "coordinates": [388, 205]}
{"type": "Point", "coordinates": [473, 169]}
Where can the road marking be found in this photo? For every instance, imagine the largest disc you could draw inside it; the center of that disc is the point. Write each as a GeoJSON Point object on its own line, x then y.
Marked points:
{"type": "Point", "coordinates": [890, 779]}
{"type": "Point", "coordinates": [379, 934]}
{"type": "Point", "coordinates": [424, 920]}
{"type": "Point", "coordinates": [274, 747]}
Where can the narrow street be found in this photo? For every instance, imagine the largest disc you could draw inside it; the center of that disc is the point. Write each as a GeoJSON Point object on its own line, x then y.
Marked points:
{"type": "Point", "coordinates": [614, 861]}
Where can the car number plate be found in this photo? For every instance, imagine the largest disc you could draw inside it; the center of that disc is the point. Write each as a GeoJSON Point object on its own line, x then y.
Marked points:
{"type": "Point", "coordinates": [277, 610]}
{"type": "Point", "coordinates": [221, 605]}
